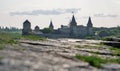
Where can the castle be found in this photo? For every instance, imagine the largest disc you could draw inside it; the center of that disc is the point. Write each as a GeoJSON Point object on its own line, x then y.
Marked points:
{"type": "Point", "coordinates": [72, 30]}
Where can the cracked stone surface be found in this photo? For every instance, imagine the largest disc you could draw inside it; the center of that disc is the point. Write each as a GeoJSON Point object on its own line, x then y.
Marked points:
{"type": "Point", "coordinates": [53, 55]}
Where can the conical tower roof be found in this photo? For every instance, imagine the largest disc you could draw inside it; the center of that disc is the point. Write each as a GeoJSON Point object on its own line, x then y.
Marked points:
{"type": "Point", "coordinates": [89, 24]}
{"type": "Point", "coordinates": [51, 25]}
{"type": "Point", "coordinates": [73, 21]}
{"type": "Point", "coordinates": [26, 21]}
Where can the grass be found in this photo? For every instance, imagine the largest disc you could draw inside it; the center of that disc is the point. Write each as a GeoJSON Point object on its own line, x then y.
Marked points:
{"type": "Point", "coordinates": [78, 46]}
{"type": "Point", "coordinates": [1, 47]}
{"type": "Point", "coordinates": [92, 60]}
{"type": "Point", "coordinates": [12, 38]}
{"type": "Point", "coordinates": [114, 60]}
{"type": "Point", "coordinates": [8, 38]}
{"type": "Point", "coordinates": [1, 58]}
{"type": "Point", "coordinates": [116, 51]}
{"type": "Point", "coordinates": [33, 37]}
{"type": "Point", "coordinates": [97, 61]}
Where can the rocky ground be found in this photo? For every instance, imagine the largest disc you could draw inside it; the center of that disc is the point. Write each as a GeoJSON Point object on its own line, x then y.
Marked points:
{"type": "Point", "coordinates": [54, 55]}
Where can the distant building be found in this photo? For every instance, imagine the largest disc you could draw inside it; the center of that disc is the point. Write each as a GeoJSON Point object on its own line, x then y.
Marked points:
{"type": "Point", "coordinates": [71, 30]}
{"type": "Point", "coordinates": [89, 27]}
{"type": "Point", "coordinates": [73, 27]}
{"type": "Point", "coordinates": [74, 30]}
{"type": "Point", "coordinates": [37, 29]}
{"type": "Point", "coordinates": [26, 28]}
{"type": "Point", "coordinates": [51, 25]}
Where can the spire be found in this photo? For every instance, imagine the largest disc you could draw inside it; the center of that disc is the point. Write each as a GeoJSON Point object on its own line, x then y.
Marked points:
{"type": "Point", "coordinates": [89, 20]}
{"type": "Point", "coordinates": [51, 25]}
{"type": "Point", "coordinates": [89, 27]}
{"type": "Point", "coordinates": [73, 21]}
{"type": "Point", "coordinates": [89, 24]}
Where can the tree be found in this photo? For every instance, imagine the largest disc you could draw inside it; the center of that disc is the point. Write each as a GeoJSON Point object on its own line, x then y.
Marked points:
{"type": "Point", "coordinates": [103, 33]}
{"type": "Point", "coordinates": [47, 30]}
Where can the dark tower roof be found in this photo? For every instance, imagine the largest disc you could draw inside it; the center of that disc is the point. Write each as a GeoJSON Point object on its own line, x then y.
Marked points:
{"type": "Point", "coordinates": [73, 21]}
{"type": "Point", "coordinates": [89, 24]}
{"type": "Point", "coordinates": [26, 24]}
{"type": "Point", "coordinates": [26, 28]}
{"type": "Point", "coordinates": [26, 21]}
{"type": "Point", "coordinates": [37, 27]}
{"type": "Point", "coordinates": [51, 25]}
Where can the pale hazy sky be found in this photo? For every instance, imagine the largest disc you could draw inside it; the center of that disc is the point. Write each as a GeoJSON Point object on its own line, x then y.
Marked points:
{"type": "Point", "coordinates": [104, 13]}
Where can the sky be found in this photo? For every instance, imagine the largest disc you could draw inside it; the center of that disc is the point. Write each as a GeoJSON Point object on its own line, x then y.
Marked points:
{"type": "Point", "coordinates": [104, 13]}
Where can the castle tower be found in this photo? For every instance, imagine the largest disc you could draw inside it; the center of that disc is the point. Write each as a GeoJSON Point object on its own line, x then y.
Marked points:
{"type": "Point", "coordinates": [73, 25]}
{"type": "Point", "coordinates": [73, 22]}
{"type": "Point", "coordinates": [37, 29]}
{"type": "Point", "coordinates": [51, 25]}
{"type": "Point", "coordinates": [26, 28]}
{"type": "Point", "coordinates": [89, 27]}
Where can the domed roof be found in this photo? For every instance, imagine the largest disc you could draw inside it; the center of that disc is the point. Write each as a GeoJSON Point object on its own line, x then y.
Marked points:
{"type": "Point", "coordinates": [36, 27]}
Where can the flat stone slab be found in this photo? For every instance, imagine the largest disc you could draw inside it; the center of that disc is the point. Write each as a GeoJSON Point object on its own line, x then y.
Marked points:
{"type": "Point", "coordinates": [52, 55]}
{"type": "Point", "coordinates": [115, 67]}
